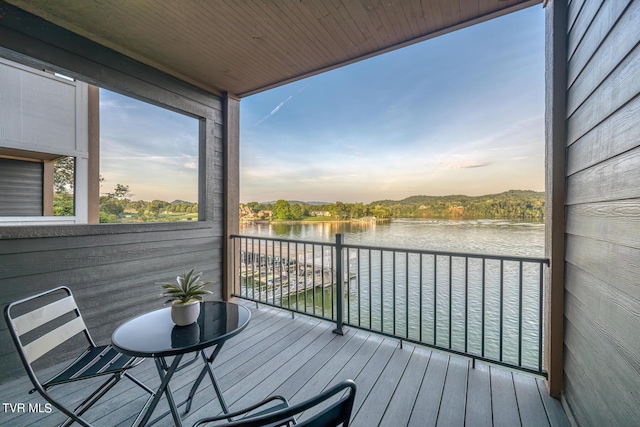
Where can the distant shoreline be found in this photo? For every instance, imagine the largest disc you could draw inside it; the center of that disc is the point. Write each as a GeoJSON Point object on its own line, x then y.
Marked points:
{"type": "Point", "coordinates": [330, 221]}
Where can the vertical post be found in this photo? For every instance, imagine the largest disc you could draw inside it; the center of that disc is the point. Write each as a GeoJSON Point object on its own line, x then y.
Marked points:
{"type": "Point", "coordinates": [555, 182]}
{"type": "Point", "coordinates": [339, 283]}
{"type": "Point", "coordinates": [208, 204]}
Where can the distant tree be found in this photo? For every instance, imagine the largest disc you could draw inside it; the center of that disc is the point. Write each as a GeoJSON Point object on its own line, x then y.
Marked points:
{"type": "Point", "coordinates": [296, 212]}
{"type": "Point", "coordinates": [254, 206]}
{"type": "Point", "coordinates": [64, 175]}
{"type": "Point", "coordinates": [281, 210]}
{"type": "Point", "coordinates": [62, 204]}
{"type": "Point", "coordinates": [121, 192]}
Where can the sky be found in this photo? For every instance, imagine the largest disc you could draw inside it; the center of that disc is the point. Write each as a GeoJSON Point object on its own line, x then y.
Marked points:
{"type": "Point", "coordinates": [152, 150]}
{"type": "Point", "coordinates": [462, 113]}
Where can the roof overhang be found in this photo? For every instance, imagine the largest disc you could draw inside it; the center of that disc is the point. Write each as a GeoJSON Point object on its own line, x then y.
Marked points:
{"type": "Point", "coordinates": [245, 47]}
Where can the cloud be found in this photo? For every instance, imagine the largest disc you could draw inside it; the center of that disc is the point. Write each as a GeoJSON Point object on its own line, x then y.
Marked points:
{"type": "Point", "coordinates": [279, 106]}
{"type": "Point", "coordinates": [471, 165]}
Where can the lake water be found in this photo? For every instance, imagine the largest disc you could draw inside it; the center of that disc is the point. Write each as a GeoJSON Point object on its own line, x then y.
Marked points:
{"type": "Point", "coordinates": [450, 302]}
{"type": "Point", "coordinates": [496, 237]}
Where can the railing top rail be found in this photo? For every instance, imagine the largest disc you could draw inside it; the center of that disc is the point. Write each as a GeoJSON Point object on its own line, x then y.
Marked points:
{"type": "Point", "coordinates": [277, 239]}
{"type": "Point", "coordinates": [404, 250]}
{"type": "Point", "coordinates": [451, 254]}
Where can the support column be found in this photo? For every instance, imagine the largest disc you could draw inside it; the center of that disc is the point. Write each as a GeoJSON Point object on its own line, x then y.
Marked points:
{"type": "Point", "coordinates": [555, 147]}
{"type": "Point", "coordinates": [231, 118]}
{"type": "Point", "coordinates": [93, 196]}
{"type": "Point", "coordinates": [47, 187]}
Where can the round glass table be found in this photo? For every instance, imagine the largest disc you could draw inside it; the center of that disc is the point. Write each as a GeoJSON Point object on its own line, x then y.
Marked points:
{"type": "Point", "coordinates": [155, 335]}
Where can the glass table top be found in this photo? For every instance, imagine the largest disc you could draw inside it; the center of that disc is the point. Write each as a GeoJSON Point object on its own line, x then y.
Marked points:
{"type": "Point", "coordinates": [154, 334]}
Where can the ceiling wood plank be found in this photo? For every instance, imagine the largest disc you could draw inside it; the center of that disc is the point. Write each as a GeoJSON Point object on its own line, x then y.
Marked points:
{"type": "Point", "coordinates": [246, 46]}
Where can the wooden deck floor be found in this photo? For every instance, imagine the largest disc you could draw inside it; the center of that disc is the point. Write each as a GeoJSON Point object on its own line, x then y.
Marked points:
{"type": "Point", "coordinates": [300, 357]}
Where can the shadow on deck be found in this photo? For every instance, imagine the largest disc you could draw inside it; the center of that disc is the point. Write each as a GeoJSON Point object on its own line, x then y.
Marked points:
{"type": "Point", "coordinates": [298, 358]}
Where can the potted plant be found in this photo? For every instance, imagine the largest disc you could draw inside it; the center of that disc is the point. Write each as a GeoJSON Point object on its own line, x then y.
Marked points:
{"type": "Point", "coordinates": [185, 297]}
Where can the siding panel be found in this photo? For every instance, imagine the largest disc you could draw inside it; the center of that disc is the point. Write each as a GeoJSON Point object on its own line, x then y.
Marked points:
{"type": "Point", "coordinates": [622, 85]}
{"type": "Point", "coordinates": [598, 32]}
{"type": "Point", "coordinates": [113, 277]}
{"type": "Point", "coordinates": [614, 222]}
{"type": "Point", "coordinates": [580, 15]}
{"type": "Point", "coordinates": [614, 179]}
{"type": "Point", "coordinates": [602, 291]}
{"type": "Point", "coordinates": [615, 46]}
{"type": "Point", "coordinates": [617, 134]}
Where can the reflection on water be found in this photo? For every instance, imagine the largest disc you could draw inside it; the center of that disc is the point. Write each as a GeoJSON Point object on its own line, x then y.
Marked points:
{"type": "Point", "coordinates": [496, 237]}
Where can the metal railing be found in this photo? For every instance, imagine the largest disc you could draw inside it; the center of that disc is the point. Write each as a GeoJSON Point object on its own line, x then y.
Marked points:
{"type": "Point", "coordinates": [486, 307]}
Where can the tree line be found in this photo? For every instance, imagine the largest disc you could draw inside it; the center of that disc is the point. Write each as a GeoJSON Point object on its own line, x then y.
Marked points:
{"type": "Point", "coordinates": [116, 204]}
{"type": "Point", "coordinates": [113, 206]}
{"type": "Point", "coordinates": [513, 204]}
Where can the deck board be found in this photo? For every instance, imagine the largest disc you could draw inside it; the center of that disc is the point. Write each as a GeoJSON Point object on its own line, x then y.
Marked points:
{"type": "Point", "coordinates": [478, 409]}
{"type": "Point", "coordinates": [454, 393]}
{"type": "Point", "coordinates": [301, 357]}
{"type": "Point", "coordinates": [503, 395]}
{"type": "Point", "coordinates": [427, 406]}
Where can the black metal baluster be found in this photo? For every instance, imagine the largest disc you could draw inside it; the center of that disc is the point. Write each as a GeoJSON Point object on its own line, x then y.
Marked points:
{"type": "Point", "coordinates": [246, 266]}
{"type": "Point", "coordinates": [406, 304]}
{"type": "Point", "coordinates": [483, 302]}
{"type": "Point", "coordinates": [297, 277]}
{"type": "Point", "coordinates": [237, 284]}
{"type": "Point", "coordinates": [253, 270]}
{"type": "Point", "coordinates": [501, 306]}
{"type": "Point", "coordinates": [370, 296]}
{"type": "Point", "coordinates": [348, 260]}
{"type": "Point", "coordinates": [540, 320]}
{"type": "Point", "coordinates": [466, 303]}
{"type": "Point", "coordinates": [393, 283]}
{"type": "Point", "coordinates": [313, 278]}
{"type": "Point", "coordinates": [273, 272]}
{"type": "Point", "coordinates": [289, 274]}
{"type": "Point", "coordinates": [450, 299]}
{"type": "Point", "coordinates": [381, 291]}
{"type": "Point", "coordinates": [305, 274]}
{"type": "Point", "coordinates": [420, 281]}
{"type": "Point", "coordinates": [280, 276]}
{"type": "Point", "coordinates": [435, 299]}
{"type": "Point", "coordinates": [339, 290]}
{"type": "Point", "coordinates": [359, 284]}
{"type": "Point", "coordinates": [520, 318]}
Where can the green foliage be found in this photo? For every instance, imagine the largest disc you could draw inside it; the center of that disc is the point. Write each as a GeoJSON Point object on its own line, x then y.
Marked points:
{"type": "Point", "coordinates": [62, 204]}
{"type": "Point", "coordinates": [64, 175]}
{"type": "Point", "coordinates": [188, 288]}
{"type": "Point", "coordinates": [117, 207]}
{"type": "Point", "coordinates": [281, 210]}
{"type": "Point", "coordinates": [106, 218]}
{"type": "Point", "coordinates": [513, 204]}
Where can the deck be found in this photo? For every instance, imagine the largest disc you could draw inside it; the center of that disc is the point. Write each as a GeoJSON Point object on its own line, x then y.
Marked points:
{"type": "Point", "coordinates": [300, 357]}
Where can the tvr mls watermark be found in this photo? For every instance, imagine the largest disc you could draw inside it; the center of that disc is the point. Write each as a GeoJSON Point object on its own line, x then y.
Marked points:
{"type": "Point", "coordinates": [23, 408]}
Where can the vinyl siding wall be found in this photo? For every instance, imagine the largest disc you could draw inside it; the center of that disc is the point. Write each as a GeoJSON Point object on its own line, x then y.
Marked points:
{"type": "Point", "coordinates": [602, 282]}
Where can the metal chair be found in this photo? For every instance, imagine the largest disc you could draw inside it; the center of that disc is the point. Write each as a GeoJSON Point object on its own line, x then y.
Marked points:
{"type": "Point", "coordinates": [42, 329]}
{"type": "Point", "coordinates": [281, 414]}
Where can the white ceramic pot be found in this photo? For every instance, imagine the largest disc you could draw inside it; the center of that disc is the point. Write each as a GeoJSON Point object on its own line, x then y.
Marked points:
{"type": "Point", "coordinates": [185, 314]}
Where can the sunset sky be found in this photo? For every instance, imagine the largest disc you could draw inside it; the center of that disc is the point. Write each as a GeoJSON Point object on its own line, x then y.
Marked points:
{"type": "Point", "coordinates": [459, 114]}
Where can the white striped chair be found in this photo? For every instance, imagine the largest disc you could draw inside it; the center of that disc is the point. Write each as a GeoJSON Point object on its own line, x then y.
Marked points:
{"type": "Point", "coordinates": [38, 328]}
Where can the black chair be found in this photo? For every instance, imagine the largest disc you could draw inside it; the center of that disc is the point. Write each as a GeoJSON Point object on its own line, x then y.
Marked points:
{"type": "Point", "coordinates": [44, 327]}
{"type": "Point", "coordinates": [281, 414]}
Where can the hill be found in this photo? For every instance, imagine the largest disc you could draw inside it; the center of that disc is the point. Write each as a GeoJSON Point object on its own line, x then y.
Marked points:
{"type": "Point", "coordinates": [512, 204]}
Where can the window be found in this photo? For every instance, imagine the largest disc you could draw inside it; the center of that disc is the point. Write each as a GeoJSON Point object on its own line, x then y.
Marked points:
{"type": "Point", "coordinates": [148, 162]}
{"type": "Point", "coordinates": [71, 153]}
